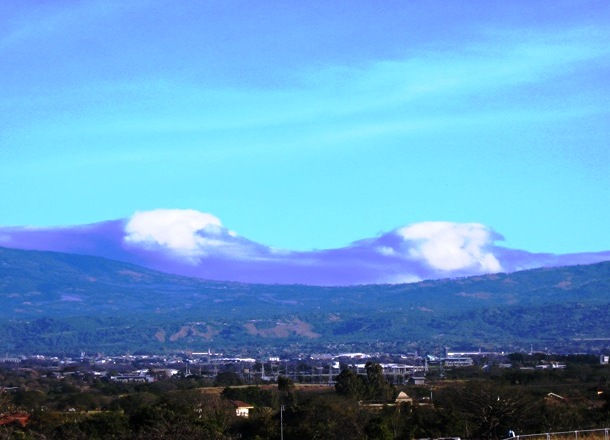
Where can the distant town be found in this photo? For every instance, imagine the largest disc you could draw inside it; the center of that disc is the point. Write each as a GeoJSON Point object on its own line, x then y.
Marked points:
{"type": "Point", "coordinates": [315, 368]}
{"type": "Point", "coordinates": [224, 395]}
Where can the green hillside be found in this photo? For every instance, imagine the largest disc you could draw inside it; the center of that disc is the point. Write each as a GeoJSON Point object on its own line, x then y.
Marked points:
{"type": "Point", "coordinates": [54, 302]}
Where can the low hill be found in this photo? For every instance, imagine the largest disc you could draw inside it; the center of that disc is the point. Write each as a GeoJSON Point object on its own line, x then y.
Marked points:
{"type": "Point", "coordinates": [65, 302]}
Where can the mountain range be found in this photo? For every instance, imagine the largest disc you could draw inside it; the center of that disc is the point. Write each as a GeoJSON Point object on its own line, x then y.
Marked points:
{"type": "Point", "coordinates": [196, 244]}
{"type": "Point", "coordinates": [58, 302]}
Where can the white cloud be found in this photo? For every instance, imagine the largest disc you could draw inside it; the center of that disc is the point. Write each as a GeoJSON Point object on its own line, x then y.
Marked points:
{"type": "Point", "coordinates": [190, 235]}
{"type": "Point", "coordinates": [193, 235]}
{"type": "Point", "coordinates": [185, 231]}
{"type": "Point", "coordinates": [401, 279]}
{"type": "Point", "coordinates": [385, 251]}
{"type": "Point", "coordinates": [451, 246]}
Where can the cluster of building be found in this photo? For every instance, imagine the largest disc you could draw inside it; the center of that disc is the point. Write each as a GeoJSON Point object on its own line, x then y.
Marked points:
{"type": "Point", "coordinates": [319, 368]}
{"type": "Point", "coordinates": [314, 368]}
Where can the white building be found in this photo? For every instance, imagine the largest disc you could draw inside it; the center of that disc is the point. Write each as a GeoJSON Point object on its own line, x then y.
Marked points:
{"type": "Point", "coordinates": [242, 409]}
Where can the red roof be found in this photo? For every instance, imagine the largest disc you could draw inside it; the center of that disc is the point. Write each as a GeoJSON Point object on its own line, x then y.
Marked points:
{"type": "Point", "coordinates": [240, 404]}
{"type": "Point", "coordinates": [21, 418]}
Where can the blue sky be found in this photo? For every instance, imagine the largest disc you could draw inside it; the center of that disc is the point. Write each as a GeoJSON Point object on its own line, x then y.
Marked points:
{"type": "Point", "coordinates": [311, 124]}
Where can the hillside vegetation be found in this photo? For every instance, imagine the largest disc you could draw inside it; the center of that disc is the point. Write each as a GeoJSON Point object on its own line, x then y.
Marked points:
{"type": "Point", "coordinates": [55, 302]}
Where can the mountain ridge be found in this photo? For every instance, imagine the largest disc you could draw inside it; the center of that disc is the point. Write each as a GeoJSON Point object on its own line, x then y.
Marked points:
{"type": "Point", "coordinates": [196, 244]}
{"type": "Point", "coordinates": [56, 301]}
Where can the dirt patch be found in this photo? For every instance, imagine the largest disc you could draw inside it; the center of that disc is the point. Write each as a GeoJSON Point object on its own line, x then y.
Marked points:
{"type": "Point", "coordinates": [160, 335]}
{"type": "Point", "coordinates": [192, 330]}
{"type": "Point", "coordinates": [132, 274]}
{"type": "Point", "coordinates": [475, 295]}
{"type": "Point", "coordinates": [209, 333]}
{"type": "Point", "coordinates": [183, 332]}
{"type": "Point", "coordinates": [283, 329]}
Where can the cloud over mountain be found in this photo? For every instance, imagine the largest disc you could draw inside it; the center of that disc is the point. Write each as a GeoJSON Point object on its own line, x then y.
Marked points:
{"type": "Point", "coordinates": [185, 233]}
{"type": "Point", "coordinates": [180, 230]}
{"type": "Point", "coordinates": [195, 243]}
{"type": "Point", "coordinates": [451, 246]}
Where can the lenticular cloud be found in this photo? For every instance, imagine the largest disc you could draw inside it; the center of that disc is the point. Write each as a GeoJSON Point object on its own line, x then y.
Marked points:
{"type": "Point", "coordinates": [175, 229]}
{"type": "Point", "coordinates": [450, 246]}
{"type": "Point", "coordinates": [188, 234]}
{"type": "Point", "coordinates": [194, 243]}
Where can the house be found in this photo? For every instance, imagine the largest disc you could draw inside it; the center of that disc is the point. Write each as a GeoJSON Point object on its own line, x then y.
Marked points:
{"type": "Point", "coordinates": [553, 396]}
{"type": "Point", "coordinates": [18, 418]}
{"type": "Point", "coordinates": [400, 399]}
{"type": "Point", "coordinates": [403, 398]}
{"type": "Point", "coordinates": [457, 361]}
{"type": "Point", "coordinates": [417, 380]}
{"type": "Point", "coordinates": [242, 409]}
{"type": "Point", "coordinates": [133, 378]}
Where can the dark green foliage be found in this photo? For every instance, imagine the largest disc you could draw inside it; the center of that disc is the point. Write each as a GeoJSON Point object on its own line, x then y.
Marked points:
{"type": "Point", "coordinates": [477, 405]}
{"type": "Point", "coordinates": [372, 387]}
{"type": "Point", "coordinates": [227, 378]}
{"type": "Point", "coordinates": [491, 411]}
{"type": "Point", "coordinates": [377, 388]}
{"type": "Point", "coordinates": [324, 417]}
{"type": "Point", "coordinates": [253, 395]}
{"type": "Point", "coordinates": [133, 401]}
{"type": "Point", "coordinates": [261, 424]}
{"type": "Point", "coordinates": [350, 385]}
{"type": "Point", "coordinates": [378, 428]}
{"type": "Point", "coordinates": [285, 384]}
{"type": "Point", "coordinates": [110, 425]}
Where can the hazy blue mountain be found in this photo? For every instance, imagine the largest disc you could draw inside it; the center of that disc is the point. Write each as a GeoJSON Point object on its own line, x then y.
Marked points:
{"type": "Point", "coordinates": [57, 301]}
{"type": "Point", "coordinates": [196, 244]}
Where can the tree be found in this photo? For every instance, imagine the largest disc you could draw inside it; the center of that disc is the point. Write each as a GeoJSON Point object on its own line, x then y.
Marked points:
{"type": "Point", "coordinates": [253, 395]}
{"type": "Point", "coordinates": [285, 384]}
{"type": "Point", "coordinates": [373, 387]}
{"type": "Point", "coordinates": [378, 428]}
{"type": "Point", "coordinates": [349, 384]}
{"type": "Point", "coordinates": [377, 387]}
{"type": "Point", "coordinates": [109, 425]}
{"type": "Point", "coordinates": [324, 418]}
{"type": "Point", "coordinates": [285, 388]}
{"type": "Point", "coordinates": [227, 378]}
{"type": "Point", "coordinates": [491, 411]}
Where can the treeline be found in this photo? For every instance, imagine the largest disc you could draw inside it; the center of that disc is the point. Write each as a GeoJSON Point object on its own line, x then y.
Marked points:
{"type": "Point", "coordinates": [474, 405]}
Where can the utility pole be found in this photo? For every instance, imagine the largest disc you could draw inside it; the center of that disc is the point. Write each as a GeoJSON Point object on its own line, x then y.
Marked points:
{"type": "Point", "coordinates": [281, 422]}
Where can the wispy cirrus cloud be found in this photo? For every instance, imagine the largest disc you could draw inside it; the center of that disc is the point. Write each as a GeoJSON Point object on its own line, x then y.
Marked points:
{"type": "Point", "coordinates": [55, 19]}
{"type": "Point", "coordinates": [220, 98]}
{"type": "Point", "coordinates": [432, 87]}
